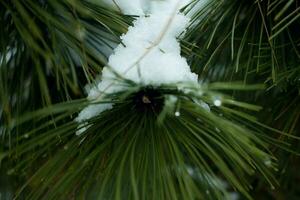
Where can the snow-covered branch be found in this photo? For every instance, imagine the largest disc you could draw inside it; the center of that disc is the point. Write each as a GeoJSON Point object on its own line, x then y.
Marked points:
{"type": "Point", "coordinates": [151, 55]}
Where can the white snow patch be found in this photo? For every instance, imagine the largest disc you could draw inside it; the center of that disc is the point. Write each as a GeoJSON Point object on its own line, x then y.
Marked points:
{"type": "Point", "coordinates": [92, 110]}
{"type": "Point", "coordinates": [130, 7]}
{"type": "Point", "coordinates": [127, 7]}
{"type": "Point", "coordinates": [151, 55]}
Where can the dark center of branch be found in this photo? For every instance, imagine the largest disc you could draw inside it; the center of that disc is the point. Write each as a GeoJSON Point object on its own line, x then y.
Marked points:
{"type": "Point", "coordinates": [148, 100]}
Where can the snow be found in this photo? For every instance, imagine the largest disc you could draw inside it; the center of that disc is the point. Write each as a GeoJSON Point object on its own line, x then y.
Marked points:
{"type": "Point", "coordinates": [127, 7]}
{"type": "Point", "coordinates": [151, 55]}
{"type": "Point", "coordinates": [92, 110]}
{"type": "Point", "coordinates": [140, 7]}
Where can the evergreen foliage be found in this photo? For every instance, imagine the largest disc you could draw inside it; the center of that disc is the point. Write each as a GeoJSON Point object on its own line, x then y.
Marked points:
{"type": "Point", "coordinates": [236, 132]}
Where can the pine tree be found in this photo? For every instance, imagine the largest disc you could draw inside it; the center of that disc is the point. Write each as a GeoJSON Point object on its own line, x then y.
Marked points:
{"type": "Point", "coordinates": [231, 135]}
